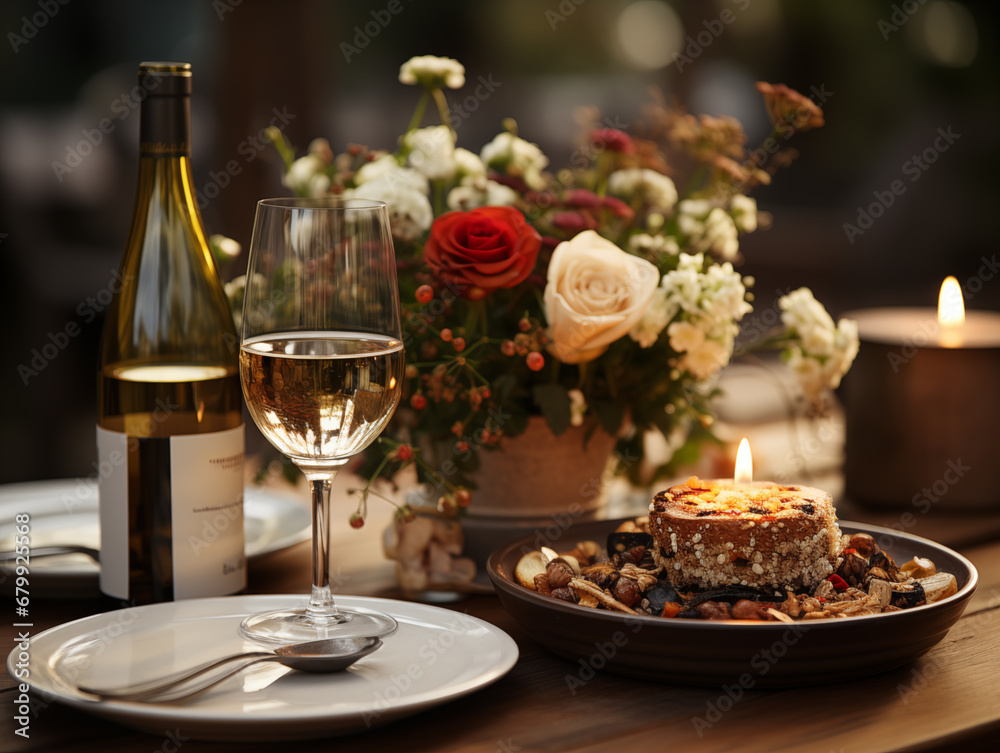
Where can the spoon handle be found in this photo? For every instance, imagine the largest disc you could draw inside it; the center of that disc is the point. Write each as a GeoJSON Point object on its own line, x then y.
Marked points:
{"type": "Point", "coordinates": [148, 690]}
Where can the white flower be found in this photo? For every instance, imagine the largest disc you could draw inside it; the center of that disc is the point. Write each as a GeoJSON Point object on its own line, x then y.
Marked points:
{"type": "Point", "coordinates": [387, 167]}
{"type": "Point", "coordinates": [654, 319]}
{"type": "Point", "coordinates": [710, 303]}
{"type": "Point", "coordinates": [708, 228]}
{"type": "Point", "coordinates": [656, 189]}
{"type": "Point", "coordinates": [321, 148]}
{"type": "Point", "coordinates": [653, 244]}
{"type": "Point", "coordinates": [432, 151]}
{"type": "Point", "coordinates": [721, 235]}
{"type": "Point", "coordinates": [235, 291]}
{"type": "Point", "coordinates": [577, 407]}
{"type": "Point", "coordinates": [594, 295]}
{"type": "Point", "coordinates": [695, 207]}
{"type": "Point", "coordinates": [707, 359]}
{"type": "Point", "coordinates": [803, 315]}
{"type": "Point", "coordinates": [432, 72]}
{"type": "Point", "coordinates": [410, 212]}
{"type": "Point", "coordinates": [724, 294]}
{"type": "Point", "coordinates": [224, 247]}
{"type": "Point", "coordinates": [820, 351]}
{"type": "Point", "coordinates": [472, 193]}
{"type": "Point", "coordinates": [690, 217]}
{"type": "Point", "coordinates": [468, 164]}
{"type": "Point", "coordinates": [685, 336]}
{"type": "Point", "coordinates": [744, 212]}
{"type": "Point", "coordinates": [515, 156]}
{"type": "Point", "coordinates": [683, 285]}
{"type": "Point", "coordinates": [306, 178]}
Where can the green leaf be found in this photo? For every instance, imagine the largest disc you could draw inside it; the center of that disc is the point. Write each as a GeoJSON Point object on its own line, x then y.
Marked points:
{"type": "Point", "coordinates": [610, 414]}
{"type": "Point", "coordinates": [503, 385]}
{"type": "Point", "coordinates": [554, 401]}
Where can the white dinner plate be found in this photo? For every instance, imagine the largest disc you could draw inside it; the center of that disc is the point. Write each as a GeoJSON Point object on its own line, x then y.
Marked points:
{"type": "Point", "coordinates": [66, 512]}
{"type": "Point", "coordinates": [435, 656]}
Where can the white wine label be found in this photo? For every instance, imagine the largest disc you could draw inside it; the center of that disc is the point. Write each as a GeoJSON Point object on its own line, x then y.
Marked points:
{"type": "Point", "coordinates": [112, 454]}
{"type": "Point", "coordinates": [176, 504]}
{"type": "Point", "coordinates": [206, 482]}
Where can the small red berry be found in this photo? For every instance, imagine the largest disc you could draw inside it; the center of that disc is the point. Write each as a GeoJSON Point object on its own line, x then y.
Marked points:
{"type": "Point", "coordinates": [459, 343]}
{"type": "Point", "coordinates": [535, 360]}
{"type": "Point", "coordinates": [404, 452]}
{"type": "Point", "coordinates": [462, 446]}
{"type": "Point", "coordinates": [418, 402]}
{"type": "Point", "coordinates": [357, 521]}
{"type": "Point", "coordinates": [463, 497]}
{"type": "Point", "coordinates": [425, 294]}
{"type": "Point", "coordinates": [486, 393]}
{"type": "Point", "coordinates": [508, 348]}
{"type": "Point", "coordinates": [446, 505]}
{"type": "Point", "coordinates": [524, 325]}
{"type": "Point", "coordinates": [446, 335]}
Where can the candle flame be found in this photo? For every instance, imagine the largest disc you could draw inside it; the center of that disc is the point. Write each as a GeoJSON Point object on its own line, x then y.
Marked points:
{"type": "Point", "coordinates": [744, 463]}
{"type": "Point", "coordinates": [951, 307]}
{"type": "Point", "coordinates": [951, 312]}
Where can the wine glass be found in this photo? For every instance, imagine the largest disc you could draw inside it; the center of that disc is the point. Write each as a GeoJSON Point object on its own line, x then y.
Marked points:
{"type": "Point", "coordinates": [321, 363]}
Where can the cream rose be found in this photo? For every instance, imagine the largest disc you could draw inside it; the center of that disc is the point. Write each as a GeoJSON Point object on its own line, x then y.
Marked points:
{"type": "Point", "coordinates": [595, 294]}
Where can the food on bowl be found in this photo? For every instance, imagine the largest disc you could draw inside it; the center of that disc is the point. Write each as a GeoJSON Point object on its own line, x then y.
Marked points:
{"type": "Point", "coordinates": [718, 533]}
{"type": "Point", "coordinates": [625, 577]}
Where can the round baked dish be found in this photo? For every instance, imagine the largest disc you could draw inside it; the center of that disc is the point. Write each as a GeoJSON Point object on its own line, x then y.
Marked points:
{"type": "Point", "coordinates": [713, 653]}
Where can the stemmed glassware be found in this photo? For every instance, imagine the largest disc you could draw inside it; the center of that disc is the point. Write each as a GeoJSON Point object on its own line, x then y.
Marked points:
{"type": "Point", "coordinates": [321, 363]}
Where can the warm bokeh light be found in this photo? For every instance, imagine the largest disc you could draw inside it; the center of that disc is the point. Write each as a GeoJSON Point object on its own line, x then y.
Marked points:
{"type": "Point", "coordinates": [649, 34]}
{"type": "Point", "coordinates": [944, 33]}
{"type": "Point", "coordinates": [951, 312]}
{"type": "Point", "coordinates": [951, 307]}
{"type": "Point", "coordinates": [744, 463]}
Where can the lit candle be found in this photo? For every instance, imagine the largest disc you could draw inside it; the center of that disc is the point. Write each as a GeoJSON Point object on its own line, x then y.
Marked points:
{"type": "Point", "coordinates": [922, 406]}
{"type": "Point", "coordinates": [744, 464]}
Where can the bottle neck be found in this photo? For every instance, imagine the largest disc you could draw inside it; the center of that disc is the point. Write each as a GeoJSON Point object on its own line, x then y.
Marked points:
{"type": "Point", "coordinates": [165, 126]}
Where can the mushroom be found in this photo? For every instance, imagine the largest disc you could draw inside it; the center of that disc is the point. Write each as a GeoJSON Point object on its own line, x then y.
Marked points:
{"type": "Point", "coordinates": [530, 565]}
{"type": "Point", "coordinates": [918, 567]}
{"type": "Point", "coordinates": [939, 586]}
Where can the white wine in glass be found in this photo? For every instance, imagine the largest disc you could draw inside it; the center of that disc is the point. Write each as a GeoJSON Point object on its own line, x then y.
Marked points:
{"type": "Point", "coordinates": [321, 363]}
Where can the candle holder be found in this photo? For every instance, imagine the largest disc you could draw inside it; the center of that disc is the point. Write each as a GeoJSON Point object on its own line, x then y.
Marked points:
{"type": "Point", "coordinates": [923, 411]}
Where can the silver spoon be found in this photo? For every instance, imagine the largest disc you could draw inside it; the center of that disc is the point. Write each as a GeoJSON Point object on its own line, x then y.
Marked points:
{"type": "Point", "coordinates": [54, 551]}
{"type": "Point", "coordinates": [328, 655]}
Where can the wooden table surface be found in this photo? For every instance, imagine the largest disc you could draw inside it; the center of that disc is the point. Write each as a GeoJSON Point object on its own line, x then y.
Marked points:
{"type": "Point", "coordinates": [947, 700]}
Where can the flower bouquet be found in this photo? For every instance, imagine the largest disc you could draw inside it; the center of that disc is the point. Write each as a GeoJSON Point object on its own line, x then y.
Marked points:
{"type": "Point", "coordinates": [596, 296]}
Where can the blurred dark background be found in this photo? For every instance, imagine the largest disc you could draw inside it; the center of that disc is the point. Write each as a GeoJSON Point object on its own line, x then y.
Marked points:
{"type": "Point", "coordinates": [892, 74]}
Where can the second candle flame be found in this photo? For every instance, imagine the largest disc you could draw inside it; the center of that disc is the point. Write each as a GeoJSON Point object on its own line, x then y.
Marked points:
{"type": "Point", "coordinates": [951, 313]}
{"type": "Point", "coordinates": [744, 463]}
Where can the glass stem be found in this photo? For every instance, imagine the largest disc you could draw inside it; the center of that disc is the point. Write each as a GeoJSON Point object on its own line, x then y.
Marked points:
{"type": "Point", "coordinates": [322, 610]}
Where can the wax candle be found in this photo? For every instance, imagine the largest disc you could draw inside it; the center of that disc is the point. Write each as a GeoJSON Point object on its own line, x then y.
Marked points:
{"type": "Point", "coordinates": [923, 407]}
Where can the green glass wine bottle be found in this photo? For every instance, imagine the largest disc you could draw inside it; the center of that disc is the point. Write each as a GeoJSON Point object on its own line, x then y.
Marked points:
{"type": "Point", "coordinates": [170, 428]}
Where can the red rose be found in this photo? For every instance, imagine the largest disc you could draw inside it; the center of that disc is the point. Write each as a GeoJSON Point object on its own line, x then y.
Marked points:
{"type": "Point", "coordinates": [483, 250]}
{"type": "Point", "coordinates": [613, 140]}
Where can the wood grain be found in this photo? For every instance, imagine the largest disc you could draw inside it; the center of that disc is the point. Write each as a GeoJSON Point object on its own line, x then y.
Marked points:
{"type": "Point", "coordinates": [949, 697]}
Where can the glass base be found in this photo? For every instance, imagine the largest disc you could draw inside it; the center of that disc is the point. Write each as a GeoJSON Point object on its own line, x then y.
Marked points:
{"type": "Point", "coordinates": [287, 626]}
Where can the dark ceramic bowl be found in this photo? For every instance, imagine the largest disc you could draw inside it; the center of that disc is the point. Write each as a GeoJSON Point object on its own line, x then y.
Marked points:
{"type": "Point", "coordinates": [751, 654]}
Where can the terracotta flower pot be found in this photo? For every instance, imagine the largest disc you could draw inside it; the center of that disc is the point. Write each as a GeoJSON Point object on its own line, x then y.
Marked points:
{"type": "Point", "coordinates": [537, 475]}
{"type": "Point", "coordinates": [537, 483]}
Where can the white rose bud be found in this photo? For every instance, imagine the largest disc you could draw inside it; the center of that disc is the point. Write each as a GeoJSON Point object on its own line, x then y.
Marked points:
{"type": "Point", "coordinates": [594, 295]}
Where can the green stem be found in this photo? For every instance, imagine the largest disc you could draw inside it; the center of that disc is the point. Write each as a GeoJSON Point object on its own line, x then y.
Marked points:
{"type": "Point", "coordinates": [418, 113]}
{"type": "Point", "coordinates": [481, 320]}
{"type": "Point", "coordinates": [442, 106]}
{"type": "Point", "coordinates": [437, 189]}
{"type": "Point", "coordinates": [694, 185]}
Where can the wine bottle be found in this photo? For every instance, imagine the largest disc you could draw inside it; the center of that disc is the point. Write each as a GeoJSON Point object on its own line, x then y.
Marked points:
{"type": "Point", "coordinates": [170, 427]}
